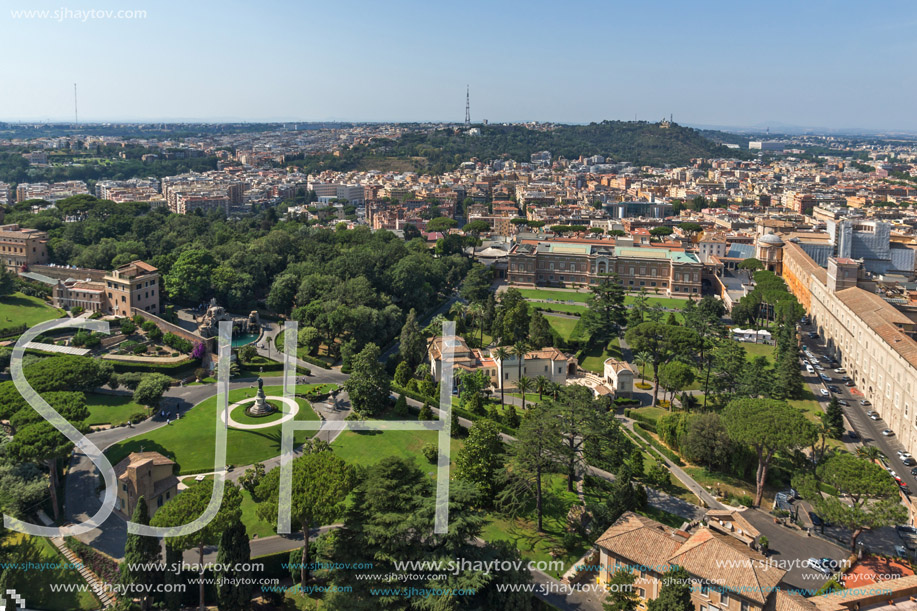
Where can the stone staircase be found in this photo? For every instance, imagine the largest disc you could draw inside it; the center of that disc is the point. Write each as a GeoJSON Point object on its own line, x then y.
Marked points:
{"type": "Point", "coordinates": [98, 588]}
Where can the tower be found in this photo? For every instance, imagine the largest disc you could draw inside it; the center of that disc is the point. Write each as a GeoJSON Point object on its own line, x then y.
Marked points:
{"type": "Point", "coordinates": [76, 116]}
{"type": "Point", "coordinates": [467, 106]}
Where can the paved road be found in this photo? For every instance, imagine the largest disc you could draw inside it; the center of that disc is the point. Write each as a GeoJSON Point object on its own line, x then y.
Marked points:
{"type": "Point", "coordinates": [881, 540]}
{"type": "Point", "coordinates": [789, 548]}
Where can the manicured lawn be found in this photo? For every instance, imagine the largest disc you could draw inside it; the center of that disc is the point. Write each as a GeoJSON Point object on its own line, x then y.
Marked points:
{"type": "Point", "coordinates": [567, 308]}
{"type": "Point", "coordinates": [755, 350]}
{"type": "Point", "coordinates": [665, 302]}
{"type": "Point", "coordinates": [189, 440]}
{"type": "Point", "coordinates": [555, 295]}
{"type": "Point", "coordinates": [34, 585]}
{"type": "Point", "coordinates": [111, 409]}
{"type": "Point", "coordinates": [17, 309]}
{"type": "Point", "coordinates": [594, 358]}
{"type": "Point", "coordinates": [654, 413]}
{"type": "Point", "coordinates": [255, 526]}
{"type": "Point", "coordinates": [563, 325]}
{"type": "Point", "coordinates": [301, 352]}
{"type": "Point", "coordinates": [369, 447]}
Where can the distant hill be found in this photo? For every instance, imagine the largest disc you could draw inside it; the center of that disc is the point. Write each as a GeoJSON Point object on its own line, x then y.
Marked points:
{"type": "Point", "coordinates": [441, 150]}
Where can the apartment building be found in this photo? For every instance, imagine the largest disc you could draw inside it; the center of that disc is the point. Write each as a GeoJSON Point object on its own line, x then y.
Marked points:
{"type": "Point", "coordinates": [50, 192]}
{"type": "Point", "coordinates": [133, 285]}
{"type": "Point", "coordinates": [6, 194]}
{"type": "Point", "coordinates": [872, 339]}
{"type": "Point", "coordinates": [145, 474]}
{"type": "Point", "coordinates": [558, 263]}
{"type": "Point", "coordinates": [726, 573]}
{"type": "Point", "coordinates": [20, 248]}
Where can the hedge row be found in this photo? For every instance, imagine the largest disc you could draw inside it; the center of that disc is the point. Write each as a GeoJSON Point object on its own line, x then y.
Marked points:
{"type": "Point", "coordinates": [271, 365]}
{"type": "Point", "coordinates": [12, 330]}
{"type": "Point", "coordinates": [125, 366]}
{"type": "Point", "coordinates": [641, 429]}
{"type": "Point", "coordinates": [462, 413]}
{"type": "Point", "coordinates": [649, 423]}
{"type": "Point", "coordinates": [315, 361]}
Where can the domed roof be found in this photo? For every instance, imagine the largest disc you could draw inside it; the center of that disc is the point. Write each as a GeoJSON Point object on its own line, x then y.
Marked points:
{"type": "Point", "coordinates": [770, 239]}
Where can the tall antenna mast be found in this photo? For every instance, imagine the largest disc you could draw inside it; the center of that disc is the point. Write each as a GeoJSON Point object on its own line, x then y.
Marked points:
{"type": "Point", "coordinates": [76, 116]}
{"type": "Point", "coordinates": [467, 106]}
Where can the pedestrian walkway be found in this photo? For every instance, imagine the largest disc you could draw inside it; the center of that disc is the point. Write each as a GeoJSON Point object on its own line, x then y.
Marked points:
{"type": "Point", "coordinates": [97, 585]}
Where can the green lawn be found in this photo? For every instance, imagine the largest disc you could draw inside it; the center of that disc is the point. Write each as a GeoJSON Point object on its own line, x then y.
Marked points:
{"type": "Point", "coordinates": [665, 302]}
{"type": "Point", "coordinates": [594, 358]}
{"type": "Point", "coordinates": [369, 447]}
{"type": "Point", "coordinates": [654, 413]}
{"type": "Point", "coordinates": [17, 309]}
{"type": "Point", "coordinates": [301, 352]}
{"type": "Point", "coordinates": [111, 409]}
{"type": "Point", "coordinates": [555, 295]}
{"type": "Point", "coordinates": [567, 308]}
{"type": "Point", "coordinates": [532, 544]}
{"type": "Point", "coordinates": [34, 585]}
{"type": "Point", "coordinates": [754, 350]}
{"type": "Point", "coordinates": [189, 440]}
{"type": "Point", "coordinates": [255, 526]}
{"type": "Point", "coordinates": [530, 397]}
{"type": "Point", "coordinates": [563, 325]}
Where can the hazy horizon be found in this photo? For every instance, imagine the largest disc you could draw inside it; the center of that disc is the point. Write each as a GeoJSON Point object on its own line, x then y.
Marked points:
{"type": "Point", "coordinates": [823, 66]}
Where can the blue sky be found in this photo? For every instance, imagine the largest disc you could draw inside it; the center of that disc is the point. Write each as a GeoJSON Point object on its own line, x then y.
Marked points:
{"type": "Point", "coordinates": [834, 64]}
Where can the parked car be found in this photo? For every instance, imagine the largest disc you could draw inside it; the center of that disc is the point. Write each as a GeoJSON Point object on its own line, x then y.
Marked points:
{"type": "Point", "coordinates": [809, 368]}
{"type": "Point", "coordinates": [829, 563]}
{"type": "Point", "coordinates": [888, 432]}
{"type": "Point", "coordinates": [914, 471]}
{"type": "Point", "coordinates": [834, 388]}
{"type": "Point", "coordinates": [848, 383]}
{"type": "Point", "coordinates": [840, 370]}
{"type": "Point", "coordinates": [824, 392]}
{"type": "Point", "coordinates": [875, 416]}
{"type": "Point", "coordinates": [843, 402]}
{"type": "Point", "coordinates": [816, 563]}
{"type": "Point", "coordinates": [824, 377]}
{"type": "Point", "coordinates": [865, 403]}
{"type": "Point", "coordinates": [819, 367]}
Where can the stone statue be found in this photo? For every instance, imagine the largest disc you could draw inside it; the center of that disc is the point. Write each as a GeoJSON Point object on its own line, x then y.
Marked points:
{"type": "Point", "coordinates": [260, 385]}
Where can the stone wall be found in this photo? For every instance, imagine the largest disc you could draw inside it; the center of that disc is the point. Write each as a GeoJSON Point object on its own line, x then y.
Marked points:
{"type": "Point", "coordinates": [167, 327]}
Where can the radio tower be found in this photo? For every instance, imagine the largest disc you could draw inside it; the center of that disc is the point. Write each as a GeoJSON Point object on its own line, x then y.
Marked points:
{"type": "Point", "coordinates": [467, 106]}
{"type": "Point", "coordinates": [76, 116]}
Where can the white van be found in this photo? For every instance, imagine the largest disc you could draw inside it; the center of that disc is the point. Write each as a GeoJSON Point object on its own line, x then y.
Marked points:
{"type": "Point", "coordinates": [809, 368]}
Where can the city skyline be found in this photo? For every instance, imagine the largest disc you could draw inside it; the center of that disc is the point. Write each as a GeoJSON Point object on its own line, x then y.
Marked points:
{"type": "Point", "coordinates": [717, 65]}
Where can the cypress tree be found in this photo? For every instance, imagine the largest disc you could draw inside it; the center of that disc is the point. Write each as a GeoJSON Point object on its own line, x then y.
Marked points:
{"type": "Point", "coordinates": [233, 593]}
{"type": "Point", "coordinates": [140, 550]}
